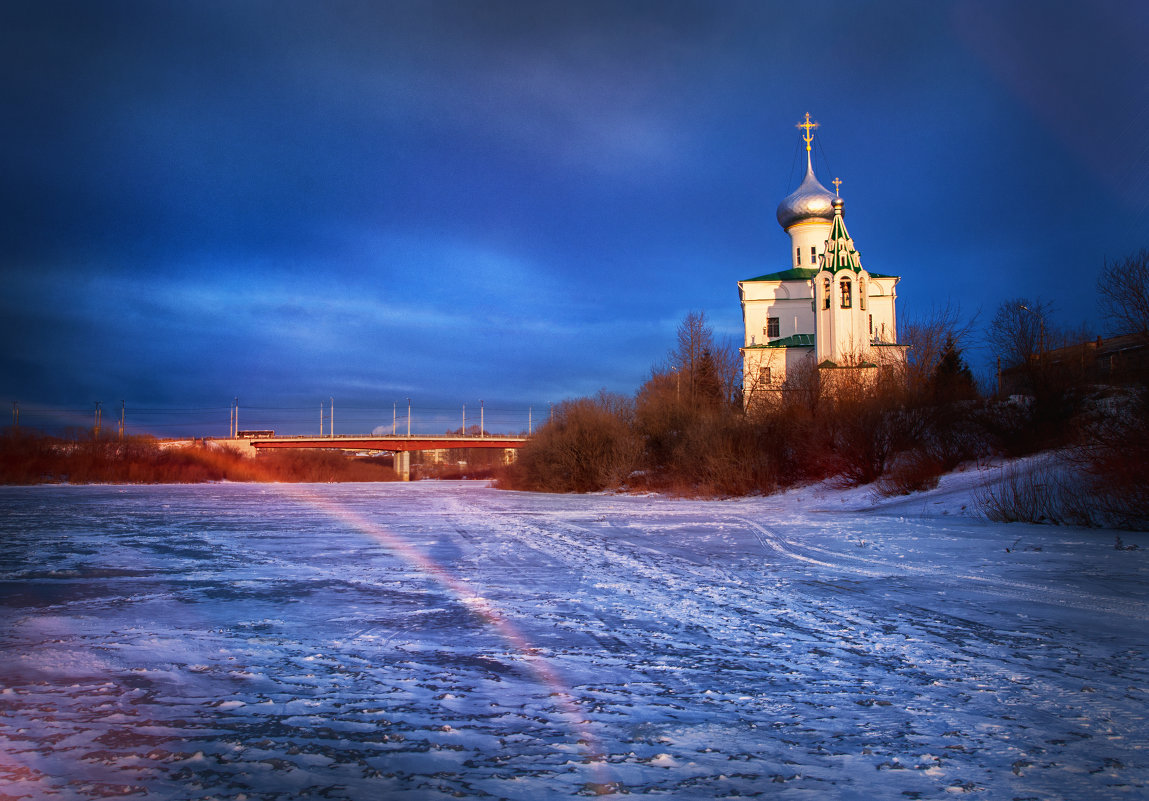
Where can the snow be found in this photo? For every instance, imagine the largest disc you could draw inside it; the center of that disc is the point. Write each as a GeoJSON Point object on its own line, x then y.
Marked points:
{"type": "Point", "coordinates": [444, 639]}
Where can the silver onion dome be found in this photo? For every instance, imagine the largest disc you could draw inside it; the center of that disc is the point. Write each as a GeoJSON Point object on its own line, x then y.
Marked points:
{"type": "Point", "coordinates": [811, 200]}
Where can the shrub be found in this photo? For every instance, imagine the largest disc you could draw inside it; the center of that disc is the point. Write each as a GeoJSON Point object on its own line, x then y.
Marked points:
{"type": "Point", "coordinates": [1045, 490]}
{"type": "Point", "coordinates": [587, 447]}
{"type": "Point", "coordinates": [1114, 455]}
{"type": "Point", "coordinates": [910, 472]}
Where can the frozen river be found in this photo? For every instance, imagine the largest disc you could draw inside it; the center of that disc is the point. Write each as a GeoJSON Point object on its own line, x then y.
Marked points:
{"type": "Point", "coordinates": [444, 640]}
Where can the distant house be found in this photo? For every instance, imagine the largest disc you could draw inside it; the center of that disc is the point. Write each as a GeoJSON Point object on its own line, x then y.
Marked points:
{"type": "Point", "coordinates": [826, 310]}
{"type": "Point", "coordinates": [1114, 361]}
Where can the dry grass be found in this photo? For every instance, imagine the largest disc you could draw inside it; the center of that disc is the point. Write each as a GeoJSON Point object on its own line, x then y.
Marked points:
{"type": "Point", "coordinates": [1045, 490]}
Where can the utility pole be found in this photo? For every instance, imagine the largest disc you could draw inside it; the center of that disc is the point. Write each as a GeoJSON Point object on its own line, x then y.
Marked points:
{"type": "Point", "coordinates": [530, 412]}
{"type": "Point", "coordinates": [321, 418]}
{"type": "Point", "coordinates": [235, 420]}
{"type": "Point", "coordinates": [123, 405]}
{"type": "Point", "coordinates": [482, 423]}
{"type": "Point", "coordinates": [331, 421]}
{"type": "Point", "coordinates": [394, 416]}
{"type": "Point", "coordinates": [97, 427]}
{"type": "Point", "coordinates": [464, 419]}
{"type": "Point", "coordinates": [408, 417]}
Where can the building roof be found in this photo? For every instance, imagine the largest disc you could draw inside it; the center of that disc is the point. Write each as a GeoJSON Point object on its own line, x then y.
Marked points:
{"type": "Point", "coordinates": [792, 341]}
{"type": "Point", "coordinates": [802, 274]}
{"type": "Point", "coordinates": [793, 274]}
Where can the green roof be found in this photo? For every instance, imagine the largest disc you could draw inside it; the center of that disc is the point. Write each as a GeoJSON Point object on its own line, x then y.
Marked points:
{"type": "Point", "coordinates": [804, 274]}
{"type": "Point", "coordinates": [792, 341]}
{"type": "Point", "coordinates": [793, 274]}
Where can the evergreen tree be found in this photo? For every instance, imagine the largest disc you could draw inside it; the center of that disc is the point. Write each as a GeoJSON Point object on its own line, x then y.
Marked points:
{"type": "Point", "coordinates": [952, 380]}
{"type": "Point", "coordinates": [707, 384]}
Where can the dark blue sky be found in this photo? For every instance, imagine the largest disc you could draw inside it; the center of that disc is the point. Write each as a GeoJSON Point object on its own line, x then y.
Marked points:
{"type": "Point", "coordinates": [518, 201]}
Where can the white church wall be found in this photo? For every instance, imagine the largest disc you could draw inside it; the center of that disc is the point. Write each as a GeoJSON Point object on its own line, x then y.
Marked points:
{"type": "Point", "coordinates": [765, 371]}
{"type": "Point", "coordinates": [881, 305]}
{"type": "Point", "coordinates": [788, 301]}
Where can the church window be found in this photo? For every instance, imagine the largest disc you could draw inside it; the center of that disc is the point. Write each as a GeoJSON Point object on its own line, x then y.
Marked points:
{"type": "Point", "coordinates": [826, 293]}
{"type": "Point", "coordinates": [764, 375]}
{"type": "Point", "coordinates": [871, 325]}
{"type": "Point", "coordinates": [798, 254]}
{"type": "Point", "coordinates": [813, 255]}
{"type": "Point", "coordinates": [862, 293]}
{"type": "Point", "coordinates": [772, 327]}
{"type": "Point", "coordinates": [845, 286]}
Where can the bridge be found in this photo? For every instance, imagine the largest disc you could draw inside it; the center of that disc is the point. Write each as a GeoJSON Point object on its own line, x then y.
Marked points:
{"type": "Point", "coordinates": [398, 445]}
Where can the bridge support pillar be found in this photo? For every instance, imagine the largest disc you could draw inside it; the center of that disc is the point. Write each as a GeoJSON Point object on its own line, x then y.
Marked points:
{"type": "Point", "coordinates": [403, 465]}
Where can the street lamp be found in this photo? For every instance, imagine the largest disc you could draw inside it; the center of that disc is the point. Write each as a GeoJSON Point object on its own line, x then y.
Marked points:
{"type": "Point", "coordinates": [1041, 336]}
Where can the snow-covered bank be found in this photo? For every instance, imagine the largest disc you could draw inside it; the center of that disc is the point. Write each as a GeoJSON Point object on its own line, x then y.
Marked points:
{"type": "Point", "coordinates": [442, 639]}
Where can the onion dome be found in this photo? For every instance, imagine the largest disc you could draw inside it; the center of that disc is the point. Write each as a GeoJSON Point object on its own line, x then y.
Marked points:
{"type": "Point", "coordinates": [809, 201]}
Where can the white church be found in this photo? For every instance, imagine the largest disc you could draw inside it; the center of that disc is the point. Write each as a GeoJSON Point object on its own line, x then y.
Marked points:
{"type": "Point", "coordinates": [826, 310]}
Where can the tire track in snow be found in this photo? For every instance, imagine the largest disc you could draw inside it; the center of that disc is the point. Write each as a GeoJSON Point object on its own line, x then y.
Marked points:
{"type": "Point", "coordinates": [711, 598]}
{"type": "Point", "coordinates": [1007, 588]}
{"type": "Point", "coordinates": [738, 637]}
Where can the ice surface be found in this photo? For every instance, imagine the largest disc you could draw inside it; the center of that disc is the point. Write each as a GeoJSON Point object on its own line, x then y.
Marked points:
{"type": "Point", "coordinates": [442, 640]}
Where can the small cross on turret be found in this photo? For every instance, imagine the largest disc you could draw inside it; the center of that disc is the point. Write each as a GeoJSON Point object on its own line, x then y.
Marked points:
{"type": "Point", "coordinates": [837, 182]}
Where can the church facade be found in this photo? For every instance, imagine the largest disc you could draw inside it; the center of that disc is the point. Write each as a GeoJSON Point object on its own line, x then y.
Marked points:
{"type": "Point", "coordinates": [826, 311]}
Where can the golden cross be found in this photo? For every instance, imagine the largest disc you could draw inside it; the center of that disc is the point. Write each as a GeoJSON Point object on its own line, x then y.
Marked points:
{"type": "Point", "coordinates": [808, 137]}
{"type": "Point", "coordinates": [836, 182]}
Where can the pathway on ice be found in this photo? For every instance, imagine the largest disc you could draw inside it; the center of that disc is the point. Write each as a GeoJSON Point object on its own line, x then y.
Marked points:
{"type": "Point", "coordinates": [264, 642]}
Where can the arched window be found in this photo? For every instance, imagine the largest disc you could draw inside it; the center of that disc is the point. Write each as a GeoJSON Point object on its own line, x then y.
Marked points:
{"type": "Point", "coordinates": [845, 287]}
{"type": "Point", "coordinates": [798, 256]}
{"type": "Point", "coordinates": [826, 291]}
{"type": "Point", "coordinates": [862, 293]}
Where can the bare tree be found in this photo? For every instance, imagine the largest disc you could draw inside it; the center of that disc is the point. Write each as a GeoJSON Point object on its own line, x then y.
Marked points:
{"type": "Point", "coordinates": [699, 362]}
{"type": "Point", "coordinates": [1020, 332]}
{"type": "Point", "coordinates": [1022, 335]}
{"type": "Point", "coordinates": [1124, 289]}
{"type": "Point", "coordinates": [728, 363]}
{"type": "Point", "coordinates": [928, 338]}
{"type": "Point", "coordinates": [693, 338]}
